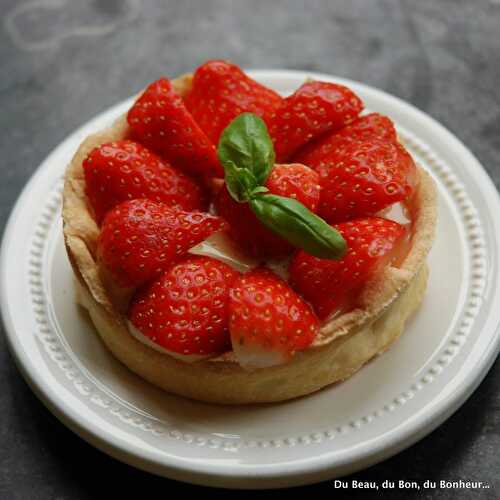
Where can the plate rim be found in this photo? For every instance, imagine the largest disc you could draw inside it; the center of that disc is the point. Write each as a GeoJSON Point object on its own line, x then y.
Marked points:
{"type": "Point", "coordinates": [313, 468]}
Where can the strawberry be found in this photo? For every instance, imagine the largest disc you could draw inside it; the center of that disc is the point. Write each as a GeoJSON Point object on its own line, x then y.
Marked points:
{"type": "Point", "coordinates": [123, 170]}
{"type": "Point", "coordinates": [221, 91]}
{"type": "Point", "coordinates": [268, 321]}
{"type": "Point", "coordinates": [245, 229]}
{"type": "Point", "coordinates": [364, 178]}
{"type": "Point", "coordinates": [371, 126]}
{"type": "Point", "coordinates": [159, 119]}
{"type": "Point", "coordinates": [314, 109]}
{"type": "Point", "coordinates": [139, 238]}
{"type": "Point", "coordinates": [292, 181]}
{"type": "Point", "coordinates": [295, 181]}
{"type": "Point", "coordinates": [185, 310]}
{"type": "Point", "coordinates": [332, 286]}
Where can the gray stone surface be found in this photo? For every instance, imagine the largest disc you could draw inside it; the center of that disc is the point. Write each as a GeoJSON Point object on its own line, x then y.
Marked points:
{"type": "Point", "coordinates": [62, 62]}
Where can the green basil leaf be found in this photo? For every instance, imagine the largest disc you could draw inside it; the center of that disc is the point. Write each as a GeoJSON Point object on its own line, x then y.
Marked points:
{"type": "Point", "coordinates": [299, 226]}
{"type": "Point", "coordinates": [245, 142]}
{"type": "Point", "coordinates": [259, 190]}
{"type": "Point", "coordinates": [240, 182]}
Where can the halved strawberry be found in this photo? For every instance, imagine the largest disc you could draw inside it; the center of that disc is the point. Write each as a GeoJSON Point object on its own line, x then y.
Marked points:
{"type": "Point", "coordinates": [221, 91]}
{"type": "Point", "coordinates": [333, 286]}
{"type": "Point", "coordinates": [371, 126]}
{"type": "Point", "coordinates": [140, 238]}
{"type": "Point", "coordinates": [293, 181]}
{"type": "Point", "coordinates": [314, 109]}
{"type": "Point", "coordinates": [124, 170]}
{"type": "Point", "coordinates": [185, 310]}
{"type": "Point", "coordinates": [268, 321]}
{"type": "Point", "coordinates": [159, 119]}
{"type": "Point", "coordinates": [364, 178]}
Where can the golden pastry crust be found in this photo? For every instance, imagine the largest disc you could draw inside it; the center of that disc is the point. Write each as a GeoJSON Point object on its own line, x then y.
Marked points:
{"type": "Point", "coordinates": [342, 347]}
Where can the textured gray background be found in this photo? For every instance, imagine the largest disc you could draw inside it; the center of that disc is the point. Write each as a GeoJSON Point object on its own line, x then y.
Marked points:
{"type": "Point", "coordinates": [61, 64]}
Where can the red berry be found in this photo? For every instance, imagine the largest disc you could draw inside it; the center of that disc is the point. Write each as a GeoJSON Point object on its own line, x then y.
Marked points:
{"type": "Point", "coordinates": [245, 229]}
{"type": "Point", "coordinates": [159, 119]}
{"type": "Point", "coordinates": [268, 321]}
{"type": "Point", "coordinates": [125, 170]}
{"type": "Point", "coordinates": [364, 178]}
{"type": "Point", "coordinates": [292, 181]}
{"type": "Point", "coordinates": [185, 310]}
{"type": "Point", "coordinates": [368, 127]}
{"type": "Point", "coordinates": [314, 109]}
{"type": "Point", "coordinates": [334, 286]}
{"type": "Point", "coordinates": [221, 91]}
{"type": "Point", "coordinates": [140, 238]}
{"type": "Point", "coordinates": [295, 181]}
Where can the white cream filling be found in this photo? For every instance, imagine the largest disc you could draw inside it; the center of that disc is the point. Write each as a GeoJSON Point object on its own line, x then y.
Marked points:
{"type": "Point", "coordinates": [255, 357]}
{"type": "Point", "coordinates": [220, 246]}
{"type": "Point", "coordinates": [396, 213]}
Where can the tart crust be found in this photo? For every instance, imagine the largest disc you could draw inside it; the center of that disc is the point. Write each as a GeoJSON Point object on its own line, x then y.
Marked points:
{"type": "Point", "coordinates": [343, 345]}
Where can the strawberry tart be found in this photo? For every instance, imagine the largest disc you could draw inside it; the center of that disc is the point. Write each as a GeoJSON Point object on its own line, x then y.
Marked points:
{"type": "Point", "coordinates": [235, 246]}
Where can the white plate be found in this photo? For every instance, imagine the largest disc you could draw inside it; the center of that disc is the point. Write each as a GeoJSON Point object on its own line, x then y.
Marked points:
{"type": "Point", "coordinates": [391, 403]}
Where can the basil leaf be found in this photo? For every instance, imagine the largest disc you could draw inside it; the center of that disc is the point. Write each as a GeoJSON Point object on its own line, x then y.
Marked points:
{"type": "Point", "coordinates": [259, 190]}
{"type": "Point", "coordinates": [299, 226]}
{"type": "Point", "coordinates": [246, 143]}
{"type": "Point", "coordinates": [240, 182]}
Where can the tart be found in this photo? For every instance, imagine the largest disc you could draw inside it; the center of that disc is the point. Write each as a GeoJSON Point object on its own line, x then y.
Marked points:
{"type": "Point", "coordinates": [333, 335]}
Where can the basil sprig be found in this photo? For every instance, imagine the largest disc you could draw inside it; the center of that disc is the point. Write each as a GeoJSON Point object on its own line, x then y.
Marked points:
{"type": "Point", "coordinates": [247, 155]}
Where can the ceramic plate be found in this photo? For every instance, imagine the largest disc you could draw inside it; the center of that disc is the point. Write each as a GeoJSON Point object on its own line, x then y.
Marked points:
{"type": "Point", "coordinates": [392, 402]}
